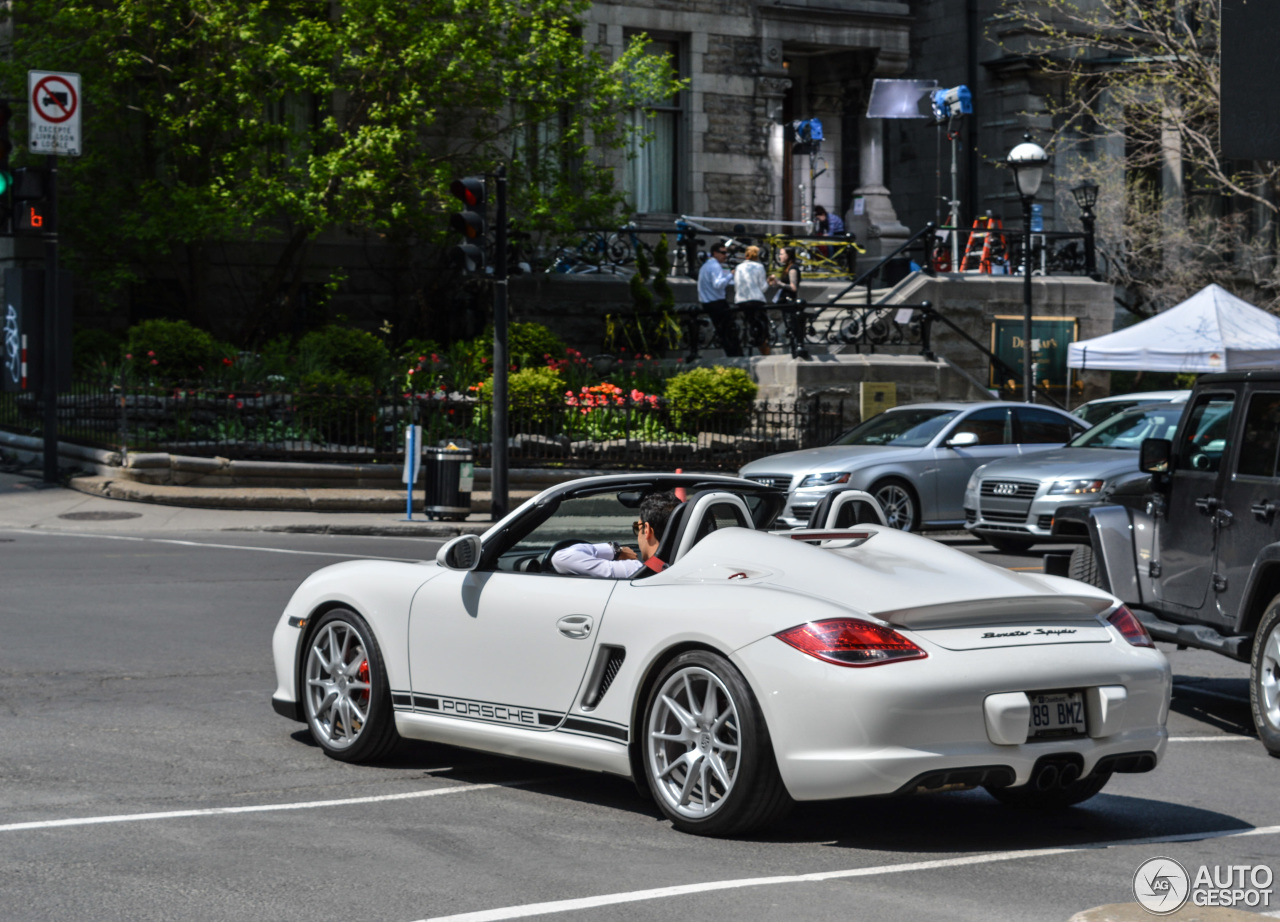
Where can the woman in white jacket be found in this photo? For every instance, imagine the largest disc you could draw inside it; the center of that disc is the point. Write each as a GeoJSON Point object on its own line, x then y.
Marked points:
{"type": "Point", "coordinates": [750, 284]}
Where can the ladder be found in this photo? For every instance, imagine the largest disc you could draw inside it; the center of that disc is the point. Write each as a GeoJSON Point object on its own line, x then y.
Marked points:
{"type": "Point", "coordinates": [989, 231]}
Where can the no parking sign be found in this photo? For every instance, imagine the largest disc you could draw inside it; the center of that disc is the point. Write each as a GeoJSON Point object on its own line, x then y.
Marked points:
{"type": "Point", "coordinates": [55, 113]}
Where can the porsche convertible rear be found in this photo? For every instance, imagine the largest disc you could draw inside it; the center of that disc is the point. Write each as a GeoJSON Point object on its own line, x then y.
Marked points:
{"type": "Point", "coordinates": [938, 701]}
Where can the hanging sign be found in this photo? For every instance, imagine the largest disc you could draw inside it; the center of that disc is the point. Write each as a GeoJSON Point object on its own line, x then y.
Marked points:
{"type": "Point", "coordinates": [54, 125]}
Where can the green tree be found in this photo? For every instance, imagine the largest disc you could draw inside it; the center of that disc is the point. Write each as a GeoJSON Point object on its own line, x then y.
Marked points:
{"type": "Point", "coordinates": [208, 122]}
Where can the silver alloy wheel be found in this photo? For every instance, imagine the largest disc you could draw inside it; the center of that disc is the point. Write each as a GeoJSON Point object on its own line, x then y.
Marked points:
{"type": "Point", "coordinates": [694, 742]}
{"type": "Point", "coordinates": [899, 508]}
{"type": "Point", "coordinates": [338, 687]}
{"type": "Point", "coordinates": [1269, 677]}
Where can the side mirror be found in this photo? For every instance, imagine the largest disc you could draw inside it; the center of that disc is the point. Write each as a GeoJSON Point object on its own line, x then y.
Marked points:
{"type": "Point", "coordinates": [1154, 455]}
{"type": "Point", "coordinates": [962, 440]}
{"type": "Point", "coordinates": [461, 553]}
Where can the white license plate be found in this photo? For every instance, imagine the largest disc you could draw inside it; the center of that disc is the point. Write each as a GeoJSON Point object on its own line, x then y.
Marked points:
{"type": "Point", "coordinates": [1057, 714]}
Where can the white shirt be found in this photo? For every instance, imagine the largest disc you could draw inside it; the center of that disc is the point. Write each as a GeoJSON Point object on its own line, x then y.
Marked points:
{"type": "Point", "coordinates": [713, 279]}
{"type": "Point", "coordinates": [749, 282]}
{"type": "Point", "coordinates": [594, 560]}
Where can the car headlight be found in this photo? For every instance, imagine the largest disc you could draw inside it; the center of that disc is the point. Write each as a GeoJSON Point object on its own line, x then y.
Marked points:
{"type": "Point", "coordinates": [1076, 487]}
{"type": "Point", "coordinates": [974, 478]}
{"type": "Point", "coordinates": [829, 479]}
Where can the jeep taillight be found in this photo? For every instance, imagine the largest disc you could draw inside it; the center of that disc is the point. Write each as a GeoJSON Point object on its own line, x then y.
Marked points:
{"type": "Point", "coordinates": [850, 642]}
{"type": "Point", "coordinates": [1130, 627]}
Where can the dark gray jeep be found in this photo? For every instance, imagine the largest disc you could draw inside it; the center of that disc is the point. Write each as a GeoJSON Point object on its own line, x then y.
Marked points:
{"type": "Point", "coordinates": [1196, 553]}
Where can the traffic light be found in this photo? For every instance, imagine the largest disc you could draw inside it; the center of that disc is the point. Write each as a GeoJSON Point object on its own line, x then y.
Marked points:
{"type": "Point", "coordinates": [6, 146]}
{"type": "Point", "coordinates": [30, 191]}
{"type": "Point", "coordinates": [470, 223]}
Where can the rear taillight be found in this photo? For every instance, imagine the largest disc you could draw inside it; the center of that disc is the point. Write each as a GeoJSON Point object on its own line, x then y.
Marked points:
{"type": "Point", "coordinates": [1130, 627]}
{"type": "Point", "coordinates": [850, 642]}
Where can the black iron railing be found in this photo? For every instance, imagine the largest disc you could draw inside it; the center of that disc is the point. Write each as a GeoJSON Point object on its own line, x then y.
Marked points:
{"type": "Point", "coordinates": [370, 427]}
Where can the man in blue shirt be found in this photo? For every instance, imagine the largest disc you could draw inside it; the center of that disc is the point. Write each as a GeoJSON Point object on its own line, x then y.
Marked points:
{"type": "Point", "coordinates": [713, 279]}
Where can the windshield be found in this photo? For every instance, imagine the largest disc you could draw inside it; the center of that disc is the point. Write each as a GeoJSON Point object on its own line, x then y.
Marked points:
{"type": "Point", "coordinates": [1127, 430]}
{"type": "Point", "coordinates": [908, 428]}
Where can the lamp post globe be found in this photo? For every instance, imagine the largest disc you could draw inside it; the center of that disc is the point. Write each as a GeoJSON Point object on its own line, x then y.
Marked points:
{"type": "Point", "coordinates": [1027, 161]}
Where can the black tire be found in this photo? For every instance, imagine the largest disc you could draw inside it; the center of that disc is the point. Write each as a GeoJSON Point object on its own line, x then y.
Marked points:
{"type": "Point", "coordinates": [1084, 566]}
{"type": "Point", "coordinates": [1264, 678]}
{"type": "Point", "coordinates": [1008, 545]}
{"type": "Point", "coordinates": [683, 769]}
{"type": "Point", "coordinates": [900, 504]}
{"type": "Point", "coordinates": [345, 695]}
{"type": "Point", "coordinates": [1028, 797]}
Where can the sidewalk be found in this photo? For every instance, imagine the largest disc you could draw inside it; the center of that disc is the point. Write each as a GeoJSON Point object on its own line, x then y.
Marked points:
{"type": "Point", "coordinates": [26, 502]}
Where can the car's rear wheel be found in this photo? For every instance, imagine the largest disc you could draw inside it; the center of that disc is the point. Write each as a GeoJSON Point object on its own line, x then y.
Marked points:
{"type": "Point", "coordinates": [1264, 678]}
{"type": "Point", "coordinates": [899, 504]}
{"type": "Point", "coordinates": [708, 759]}
{"type": "Point", "coordinates": [1035, 796]}
{"type": "Point", "coordinates": [1008, 545]}
{"type": "Point", "coordinates": [346, 698]}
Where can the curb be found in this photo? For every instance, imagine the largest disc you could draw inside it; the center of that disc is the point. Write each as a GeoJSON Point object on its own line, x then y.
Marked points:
{"type": "Point", "coordinates": [274, 499]}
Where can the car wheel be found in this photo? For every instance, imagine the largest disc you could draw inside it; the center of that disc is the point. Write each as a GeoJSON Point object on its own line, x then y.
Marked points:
{"type": "Point", "coordinates": [1264, 678]}
{"type": "Point", "coordinates": [898, 503]}
{"type": "Point", "coordinates": [346, 698]}
{"type": "Point", "coordinates": [1084, 566]}
{"type": "Point", "coordinates": [1008, 545]}
{"type": "Point", "coordinates": [1055, 797]}
{"type": "Point", "coordinates": [708, 759]}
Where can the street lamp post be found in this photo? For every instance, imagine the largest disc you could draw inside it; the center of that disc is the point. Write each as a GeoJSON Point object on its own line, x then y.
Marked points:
{"type": "Point", "coordinates": [1086, 196]}
{"type": "Point", "coordinates": [1027, 161]}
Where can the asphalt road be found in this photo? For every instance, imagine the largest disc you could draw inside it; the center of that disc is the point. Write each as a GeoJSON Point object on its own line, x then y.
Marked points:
{"type": "Point", "coordinates": [143, 775]}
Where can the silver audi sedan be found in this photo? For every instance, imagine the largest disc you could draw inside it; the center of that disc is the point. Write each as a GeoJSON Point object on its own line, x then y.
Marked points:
{"type": "Point", "coordinates": [914, 459]}
{"type": "Point", "coordinates": [1010, 503]}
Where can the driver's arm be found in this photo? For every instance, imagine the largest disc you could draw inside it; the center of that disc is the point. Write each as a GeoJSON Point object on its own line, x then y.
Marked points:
{"type": "Point", "coordinates": [593, 560]}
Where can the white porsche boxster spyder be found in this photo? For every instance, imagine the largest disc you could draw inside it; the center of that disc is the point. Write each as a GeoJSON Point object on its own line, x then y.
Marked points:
{"type": "Point", "coordinates": [742, 670]}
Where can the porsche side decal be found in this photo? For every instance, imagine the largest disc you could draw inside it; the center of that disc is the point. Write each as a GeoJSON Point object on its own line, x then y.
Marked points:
{"type": "Point", "coordinates": [510, 715]}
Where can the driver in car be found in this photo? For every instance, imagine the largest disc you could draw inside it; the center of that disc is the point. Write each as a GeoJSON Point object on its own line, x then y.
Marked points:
{"type": "Point", "coordinates": [609, 560]}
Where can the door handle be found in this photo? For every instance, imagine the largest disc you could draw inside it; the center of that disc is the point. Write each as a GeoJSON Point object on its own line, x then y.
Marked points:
{"type": "Point", "coordinates": [1263, 511]}
{"type": "Point", "coordinates": [574, 626]}
{"type": "Point", "coordinates": [1208, 504]}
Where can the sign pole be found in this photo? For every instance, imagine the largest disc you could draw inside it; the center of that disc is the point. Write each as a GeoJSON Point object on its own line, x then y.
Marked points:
{"type": "Point", "coordinates": [50, 387]}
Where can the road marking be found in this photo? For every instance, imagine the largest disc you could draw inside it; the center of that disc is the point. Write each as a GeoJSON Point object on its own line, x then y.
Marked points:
{"type": "Point", "coordinates": [257, 808]}
{"type": "Point", "coordinates": [229, 547]}
{"type": "Point", "coordinates": [1213, 739]}
{"type": "Point", "coordinates": [636, 896]}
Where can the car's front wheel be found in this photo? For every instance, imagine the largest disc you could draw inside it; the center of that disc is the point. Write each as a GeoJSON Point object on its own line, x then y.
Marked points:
{"type": "Point", "coordinates": [708, 759]}
{"type": "Point", "coordinates": [1264, 678]}
{"type": "Point", "coordinates": [898, 503]}
{"type": "Point", "coordinates": [346, 698]}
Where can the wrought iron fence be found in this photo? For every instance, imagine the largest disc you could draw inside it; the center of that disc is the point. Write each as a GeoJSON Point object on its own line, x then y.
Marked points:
{"type": "Point", "coordinates": [263, 425]}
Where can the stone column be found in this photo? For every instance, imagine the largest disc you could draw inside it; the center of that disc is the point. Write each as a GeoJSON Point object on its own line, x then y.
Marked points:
{"type": "Point", "coordinates": [878, 227]}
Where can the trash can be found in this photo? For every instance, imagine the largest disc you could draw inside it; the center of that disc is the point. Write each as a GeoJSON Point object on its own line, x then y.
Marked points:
{"type": "Point", "coordinates": [448, 475]}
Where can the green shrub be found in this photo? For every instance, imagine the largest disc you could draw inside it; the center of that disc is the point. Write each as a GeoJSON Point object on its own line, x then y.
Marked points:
{"type": "Point", "coordinates": [172, 349]}
{"type": "Point", "coordinates": [701, 395]}
{"type": "Point", "coordinates": [413, 349]}
{"type": "Point", "coordinates": [91, 349]}
{"type": "Point", "coordinates": [335, 348]}
{"type": "Point", "coordinates": [528, 344]}
{"type": "Point", "coordinates": [331, 397]}
{"type": "Point", "coordinates": [533, 394]}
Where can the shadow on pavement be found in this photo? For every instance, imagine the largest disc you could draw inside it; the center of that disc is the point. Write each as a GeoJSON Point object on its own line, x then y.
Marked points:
{"type": "Point", "coordinates": [1221, 703]}
{"type": "Point", "coordinates": [943, 824]}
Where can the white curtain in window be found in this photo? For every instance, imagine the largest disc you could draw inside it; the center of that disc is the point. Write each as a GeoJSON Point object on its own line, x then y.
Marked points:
{"type": "Point", "coordinates": [653, 169]}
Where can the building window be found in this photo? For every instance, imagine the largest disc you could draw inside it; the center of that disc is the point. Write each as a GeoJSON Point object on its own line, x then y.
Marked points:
{"type": "Point", "coordinates": [654, 165]}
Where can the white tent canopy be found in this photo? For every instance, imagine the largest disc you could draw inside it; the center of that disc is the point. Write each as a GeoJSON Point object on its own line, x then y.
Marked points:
{"type": "Point", "coordinates": [1213, 330]}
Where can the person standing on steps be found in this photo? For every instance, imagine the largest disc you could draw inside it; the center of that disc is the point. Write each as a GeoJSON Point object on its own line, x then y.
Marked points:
{"type": "Point", "coordinates": [713, 281]}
